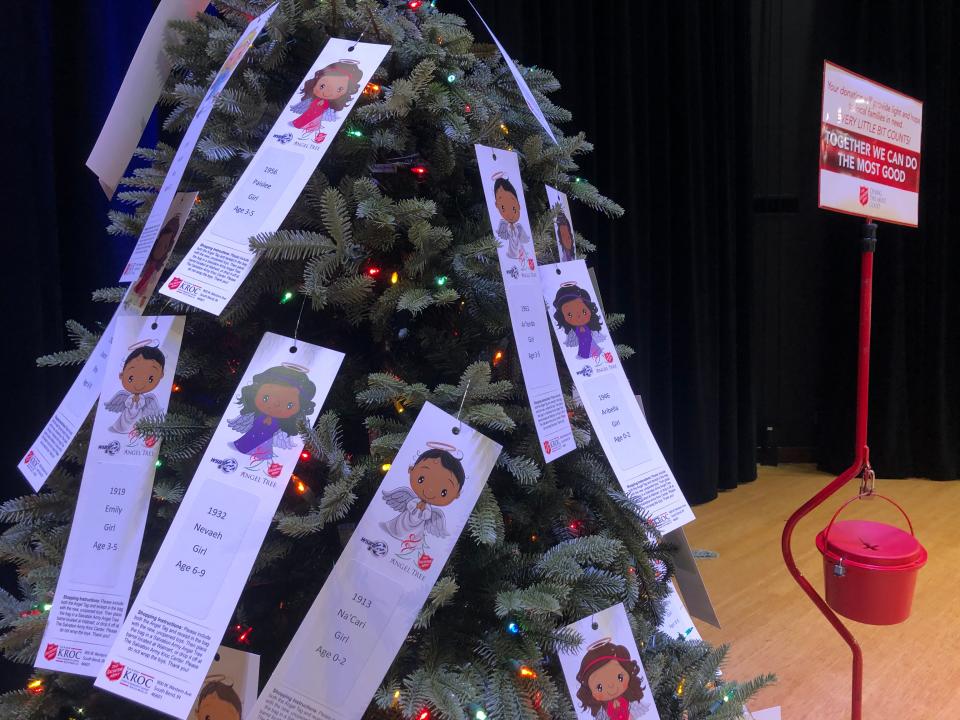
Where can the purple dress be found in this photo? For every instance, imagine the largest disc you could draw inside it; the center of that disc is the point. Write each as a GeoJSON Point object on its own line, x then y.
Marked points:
{"type": "Point", "coordinates": [262, 432]}
{"type": "Point", "coordinates": [586, 347]}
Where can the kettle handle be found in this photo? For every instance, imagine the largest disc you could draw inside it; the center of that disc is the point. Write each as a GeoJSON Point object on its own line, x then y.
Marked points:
{"type": "Point", "coordinates": [826, 533]}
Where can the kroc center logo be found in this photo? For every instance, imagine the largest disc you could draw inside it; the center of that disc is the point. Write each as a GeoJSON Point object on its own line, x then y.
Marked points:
{"type": "Point", "coordinates": [183, 286]}
{"type": "Point", "coordinates": [69, 655]}
{"type": "Point", "coordinates": [129, 677]}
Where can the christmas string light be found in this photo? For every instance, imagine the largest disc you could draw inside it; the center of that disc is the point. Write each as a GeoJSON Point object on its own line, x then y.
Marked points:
{"type": "Point", "coordinates": [451, 78]}
{"type": "Point", "coordinates": [441, 280]}
{"type": "Point", "coordinates": [176, 388]}
{"type": "Point", "coordinates": [373, 271]}
{"type": "Point", "coordinates": [35, 686]}
{"type": "Point", "coordinates": [420, 171]}
{"type": "Point", "coordinates": [467, 108]}
{"type": "Point", "coordinates": [386, 467]}
{"type": "Point", "coordinates": [158, 463]}
{"type": "Point", "coordinates": [305, 455]}
{"type": "Point", "coordinates": [286, 297]}
{"type": "Point", "coordinates": [354, 133]}
{"type": "Point", "coordinates": [527, 672]}
{"type": "Point", "coordinates": [497, 357]}
{"type": "Point", "coordinates": [398, 406]}
{"type": "Point", "coordinates": [414, 4]}
{"type": "Point", "coordinates": [424, 714]}
{"type": "Point", "coordinates": [394, 277]}
{"type": "Point", "coordinates": [504, 129]}
{"type": "Point", "coordinates": [513, 628]}
{"type": "Point", "coordinates": [371, 89]}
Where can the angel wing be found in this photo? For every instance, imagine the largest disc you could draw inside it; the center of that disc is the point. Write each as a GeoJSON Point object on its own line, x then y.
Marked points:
{"type": "Point", "coordinates": [503, 230]}
{"type": "Point", "coordinates": [571, 339]}
{"type": "Point", "coordinates": [282, 440]}
{"type": "Point", "coordinates": [398, 499]}
{"type": "Point", "coordinates": [301, 106]}
{"type": "Point", "coordinates": [437, 524]}
{"type": "Point", "coordinates": [242, 422]}
{"type": "Point", "coordinates": [115, 404]}
{"type": "Point", "coordinates": [599, 337]}
{"type": "Point", "coordinates": [522, 234]}
{"type": "Point", "coordinates": [329, 114]}
{"type": "Point", "coordinates": [151, 408]}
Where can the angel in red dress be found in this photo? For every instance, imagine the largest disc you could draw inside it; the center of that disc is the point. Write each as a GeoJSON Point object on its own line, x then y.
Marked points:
{"type": "Point", "coordinates": [326, 93]}
{"type": "Point", "coordinates": [610, 684]}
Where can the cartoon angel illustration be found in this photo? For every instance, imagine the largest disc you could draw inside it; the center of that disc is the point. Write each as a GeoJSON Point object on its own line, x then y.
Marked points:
{"type": "Point", "coordinates": [577, 314]}
{"type": "Point", "coordinates": [158, 256]}
{"type": "Point", "coordinates": [565, 238]}
{"type": "Point", "coordinates": [326, 93]}
{"type": "Point", "coordinates": [218, 701]}
{"type": "Point", "coordinates": [142, 372]}
{"type": "Point", "coordinates": [272, 406]}
{"type": "Point", "coordinates": [610, 684]}
{"type": "Point", "coordinates": [436, 479]}
{"type": "Point", "coordinates": [510, 229]}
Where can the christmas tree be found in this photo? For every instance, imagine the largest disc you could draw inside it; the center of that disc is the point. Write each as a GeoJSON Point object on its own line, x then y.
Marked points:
{"type": "Point", "coordinates": [388, 257]}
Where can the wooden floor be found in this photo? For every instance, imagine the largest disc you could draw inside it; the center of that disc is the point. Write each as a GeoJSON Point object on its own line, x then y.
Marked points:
{"type": "Point", "coordinates": [912, 670]}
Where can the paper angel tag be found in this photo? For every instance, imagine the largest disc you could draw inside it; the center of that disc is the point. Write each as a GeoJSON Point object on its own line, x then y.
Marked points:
{"type": "Point", "coordinates": [230, 688]}
{"type": "Point", "coordinates": [605, 676]}
{"type": "Point", "coordinates": [563, 225]}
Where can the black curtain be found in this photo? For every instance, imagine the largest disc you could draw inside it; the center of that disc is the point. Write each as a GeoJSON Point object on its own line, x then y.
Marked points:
{"type": "Point", "coordinates": [664, 92]}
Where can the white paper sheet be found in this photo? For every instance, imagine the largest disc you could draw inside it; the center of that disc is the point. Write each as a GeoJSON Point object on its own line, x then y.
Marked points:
{"type": "Point", "coordinates": [138, 94]}
{"type": "Point", "coordinates": [168, 641]}
{"type": "Point", "coordinates": [104, 544]}
{"type": "Point", "coordinates": [503, 190]}
{"type": "Point", "coordinates": [563, 225]}
{"type": "Point", "coordinates": [677, 620]}
{"type": "Point", "coordinates": [525, 91]}
{"type": "Point", "coordinates": [158, 219]}
{"type": "Point", "coordinates": [217, 264]}
{"type": "Point", "coordinates": [590, 354]}
{"type": "Point", "coordinates": [371, 598]}
{"type": "Point", "coordinates": [606, 672]}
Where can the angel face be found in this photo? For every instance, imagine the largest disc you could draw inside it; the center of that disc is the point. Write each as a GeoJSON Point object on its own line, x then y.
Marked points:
{"type": "Point", "coordinates": [141, 375]}
{"type": "Point", "coordinates": [279, 401]}
{"type": "Point", "coordinates": [576, 312]}
{"type": "Point", "coordinates": [608, 682]}
{"type": "Point", "coordinates": [433, 483]}
{"type": "Point", "coordinates": [507, 205]}
{"type": "Point", "coordinates": [331, 87]}
{"type": "Point", "coordinates": [213, 707]}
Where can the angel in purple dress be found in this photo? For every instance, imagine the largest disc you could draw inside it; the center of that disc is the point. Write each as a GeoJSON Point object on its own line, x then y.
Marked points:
{"type": "Point", "coordinates": [142, 372]}
{"type": "Point", "coordinates": [272, 406]}
{"type": "Point", "coordinates": [436, 479]}
{"type": "Point", "coordinates": [578, 316]}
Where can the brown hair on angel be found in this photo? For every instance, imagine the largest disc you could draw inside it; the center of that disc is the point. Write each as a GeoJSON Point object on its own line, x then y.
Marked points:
{"type": "Point", "coordinates": [324, 95]}
{"type": "Point", "coordinates": [142, 371]}
{"type": "Point", "coordinates": [436, 478]}
{"type": "Point", "coordinates": [610, 684]}
{"type": "Point", "coordinates": [218, 700]}
{"type": "Point", "coordinates": [510, 230]}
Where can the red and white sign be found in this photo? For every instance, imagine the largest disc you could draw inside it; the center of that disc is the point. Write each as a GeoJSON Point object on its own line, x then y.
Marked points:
{"type": "Point", "coordinates": [869, 148]}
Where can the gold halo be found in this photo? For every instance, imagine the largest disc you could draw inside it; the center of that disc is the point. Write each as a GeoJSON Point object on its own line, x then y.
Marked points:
{"type": "Point", "coordinates": [598, 643]}
{"type": "Point", "coordinates": [149, 342]}
{"type": "Point", "coordinates": [569, 283]}
{"type": "Point", "coordinates": [498, 174]}
{"type": "Point", "coordinates": [452, 449]}
{"type": "Point", "coordinates": [294, 366]}
{"type": "Point", "coordinates": [349, 62]}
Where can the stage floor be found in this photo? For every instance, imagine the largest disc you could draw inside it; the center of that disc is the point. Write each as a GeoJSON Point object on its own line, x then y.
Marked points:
{"type": "Point", "coordinates": [911, 670]}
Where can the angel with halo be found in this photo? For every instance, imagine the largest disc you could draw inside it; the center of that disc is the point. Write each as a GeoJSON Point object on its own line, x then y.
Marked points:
{"type": "Point", "coordinates": [579, 318]}
{"type": "Point", "coordinates": [436, 479]}
{"type": "Point", "coordinates": [142, 372]}
{"type": "Point", "coordinates": [510, 229]}
{"type": "Point", "coordinates": [272, 406]}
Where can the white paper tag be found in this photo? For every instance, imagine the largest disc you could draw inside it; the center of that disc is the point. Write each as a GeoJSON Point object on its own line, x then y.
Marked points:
{"type": "Point", "coordinates": [157, 226]}
{"type": "Point", "coordinates": [585, 344]}
{"type": "Point", "coordinates": [503, 190]}
{"type": "Point", "coordinates": [563, 225]}
{"type": "Point", "coordinates": [525, 91]}
{"type": "Point", "coordinates": [605, 673]}
{"type": "Point", "coordinates": [230, 688]}
{"type": "Point", "coordinates": [101, 556]}
{"type": "Point", "coordinates": [169, 638]}
{"type": "Point", "coordinates": [677, 620]}
{"type": "Point", "coordinates": [369, 602]}
{"type": "Point", "coordinates": [138, 93]}
{"type": "Point", "coordinates": [217, 264]}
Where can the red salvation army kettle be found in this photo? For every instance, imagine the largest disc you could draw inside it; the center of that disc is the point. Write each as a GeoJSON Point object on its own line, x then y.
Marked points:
{"type": "Point", "coordinates": [870, 568]}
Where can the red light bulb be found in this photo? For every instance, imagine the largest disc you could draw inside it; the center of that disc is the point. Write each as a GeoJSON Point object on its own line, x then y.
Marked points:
{"type": "Point", "coordinates": [420, 171]}
{"type": "Point", "coordinates": [415, 5]}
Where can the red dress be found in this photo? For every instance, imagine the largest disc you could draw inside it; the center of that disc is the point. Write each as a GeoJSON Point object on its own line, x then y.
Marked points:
{"type": "Point", "coordinates": [310, 120]}
{"type": "Point", "coordinates": [618, 709]}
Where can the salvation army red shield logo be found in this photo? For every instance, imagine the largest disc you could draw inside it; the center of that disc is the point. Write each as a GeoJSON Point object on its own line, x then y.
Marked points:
{"type": "Point", "coordinates": [114, 671]}
{"type": "Point", "coordinates": [608, 356]}
{"type": "Point", "coordinates": [150, 440]}
{"type": "Point", "coordinates": [424, 562]}
{"type": "Point", "coordinates": [174, 283]}
{"type": "Point", "coordinates": [546, 447]}
{"type": "Point", "coordinates": [275, 469]}
{"type": "Point", "coordinates": [50, 652]}
{"type": "Point", "coordinates": [530, 263]}
{"type": "Point", "coordinates": [864, 194]}
{"type": "Point", "coordinates": [28, 457]}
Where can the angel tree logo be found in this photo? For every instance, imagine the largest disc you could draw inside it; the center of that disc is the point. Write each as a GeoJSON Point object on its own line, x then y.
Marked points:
{"type": "Point", "coordinates": [50, 652]}
{"type": "Point", "coordinates": [864, 194]}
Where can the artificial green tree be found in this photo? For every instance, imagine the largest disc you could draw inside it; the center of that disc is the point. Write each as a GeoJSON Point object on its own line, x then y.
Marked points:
{"type": "Point", "coordinates": [398, 269]}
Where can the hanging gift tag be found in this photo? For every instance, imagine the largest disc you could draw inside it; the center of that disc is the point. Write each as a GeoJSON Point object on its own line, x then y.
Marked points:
{"type": "Point", "coordinates": [217, 264]}
{"type": "Point", "coordinates": [139, 292]}
{"type": "Point", "coordinates": [369, 602]}
{"type": "Point", "coordinates": [525, 91]}
{"type": "Point", "coordinates": [603, 387]}
{"type": "Point", "coordinates": [503, 189]}
{"type": "Point", "coordinates": [563, 225]}
{"type": "Point", "coordinates": [138, 94]}
{"type": "Point", "coordinates": [157, 222]}
{"type": "Point", "coordinates": [230, 688]}
{"type": "Point", "coordinates": [676, 619]}
{"type": "Point", "coordinates": [104, 543]}
{"type": "Point", "coordinates": [169, 638]}
{"type": "Point", "coordinates": [605, 673]}
{"type": "Point", "coordinates": [61, 429]}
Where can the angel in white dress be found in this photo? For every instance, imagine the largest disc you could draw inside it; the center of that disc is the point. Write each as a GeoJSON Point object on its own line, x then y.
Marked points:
{"type": "Point", "coordinates": [510, 230]}
{"type": "Point", "coordinates": [272, 405]}
{"type": "Point", "coordinates": [142, 372]}
{"type": "Point", "coordinates": [436, 479]}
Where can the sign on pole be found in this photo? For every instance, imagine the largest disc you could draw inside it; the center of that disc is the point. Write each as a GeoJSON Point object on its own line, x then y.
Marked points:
{"type": "Point", "coordinates": [869, 148]}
